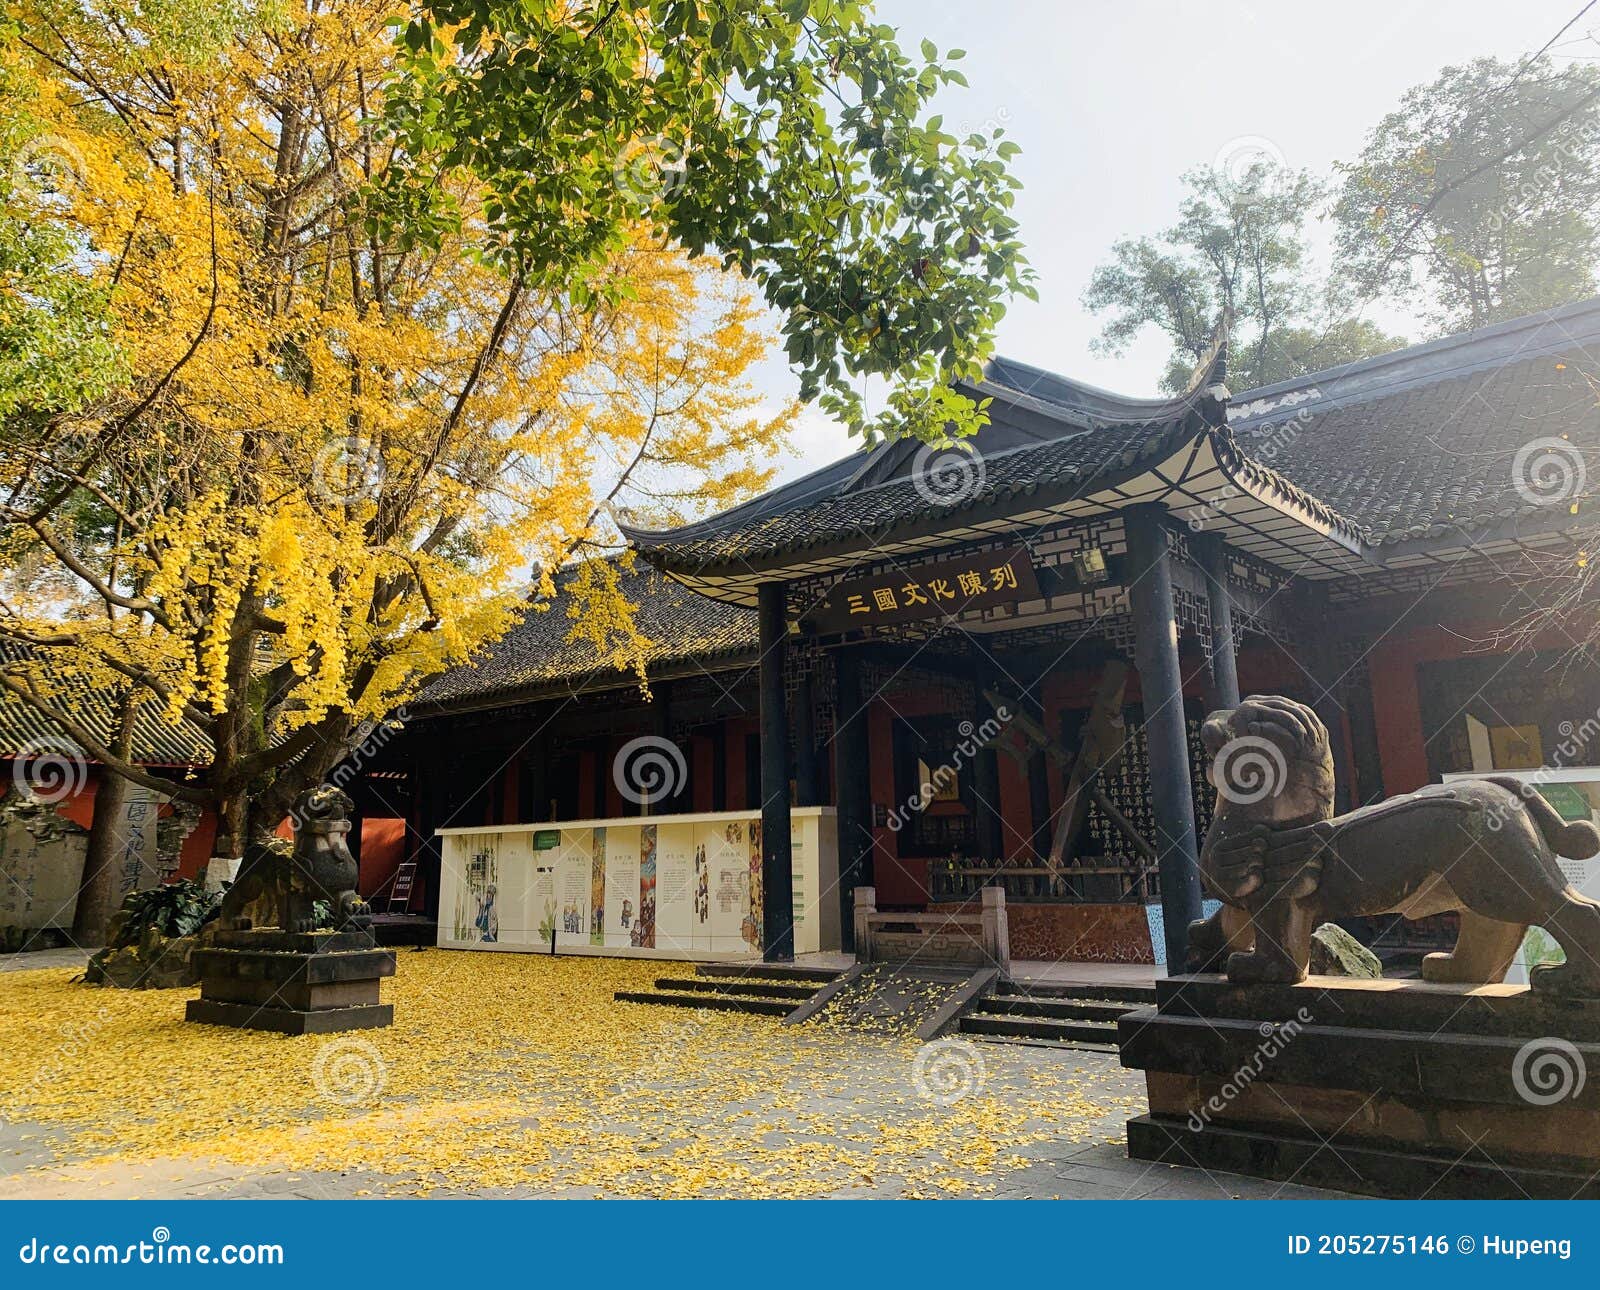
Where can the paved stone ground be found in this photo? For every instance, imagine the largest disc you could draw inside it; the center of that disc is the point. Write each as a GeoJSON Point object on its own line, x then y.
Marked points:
{"type": "Point", "coordinates": [1051, 1168]}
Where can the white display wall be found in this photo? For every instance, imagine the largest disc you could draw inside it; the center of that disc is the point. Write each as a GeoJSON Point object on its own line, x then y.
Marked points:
{"type": "Point", "coordinates": [671, 886]}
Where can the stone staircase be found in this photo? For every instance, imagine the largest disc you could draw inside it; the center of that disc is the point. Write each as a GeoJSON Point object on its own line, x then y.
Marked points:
{"type": "Point", "coordinates": [1054, 1016]}
{"type": "Point", "coordinates": [761, 989]}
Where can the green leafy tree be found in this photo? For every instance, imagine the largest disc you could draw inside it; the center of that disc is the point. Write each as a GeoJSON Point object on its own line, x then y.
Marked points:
{"type": "Point", "coordinates": [791, 138]}
{"type": "Point", "coordinates": [1481, 192]}
{"type": "Point", "coordinates": [1239, 246]}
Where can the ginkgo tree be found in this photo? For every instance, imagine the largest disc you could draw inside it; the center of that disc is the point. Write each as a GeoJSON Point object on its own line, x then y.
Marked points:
{"type": "Point", "coordinates": [329, 460]}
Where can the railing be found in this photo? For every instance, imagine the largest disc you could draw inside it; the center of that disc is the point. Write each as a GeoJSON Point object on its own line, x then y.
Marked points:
{"type": "Point", "coordinates": [1032, 883]}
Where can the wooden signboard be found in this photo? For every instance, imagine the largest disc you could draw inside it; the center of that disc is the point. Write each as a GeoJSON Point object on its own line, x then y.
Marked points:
{"type": "Point", "coordinates": [945, 589]}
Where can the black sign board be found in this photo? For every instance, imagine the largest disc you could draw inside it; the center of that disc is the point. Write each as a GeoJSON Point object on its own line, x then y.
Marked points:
{"type": "Point", "coordinates": [947, 588]}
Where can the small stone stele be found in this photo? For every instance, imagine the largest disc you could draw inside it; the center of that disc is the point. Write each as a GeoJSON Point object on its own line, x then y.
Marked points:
{"type": "Point", "coordinates": [1334, 952]}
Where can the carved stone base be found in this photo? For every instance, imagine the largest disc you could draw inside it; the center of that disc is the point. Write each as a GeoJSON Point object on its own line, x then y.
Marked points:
{"type": "Point", "coordinates": [1391, 1088]}
{"type": "Point", "coordinates": [292, 983]}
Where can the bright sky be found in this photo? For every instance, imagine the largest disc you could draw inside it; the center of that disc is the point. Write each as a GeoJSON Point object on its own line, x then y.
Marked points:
{"type": "Point", "coordinates": [1113, 100]}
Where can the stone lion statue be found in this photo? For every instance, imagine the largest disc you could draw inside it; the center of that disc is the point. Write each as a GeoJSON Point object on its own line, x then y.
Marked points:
{"type": "Point", "coordinates": [1281, 862]}
{"type": "Point", "coordinates": [279, 885]}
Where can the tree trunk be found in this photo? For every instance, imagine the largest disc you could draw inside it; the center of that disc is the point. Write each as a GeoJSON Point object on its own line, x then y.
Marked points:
{"type": "Point", "coordinates": [99, 891]}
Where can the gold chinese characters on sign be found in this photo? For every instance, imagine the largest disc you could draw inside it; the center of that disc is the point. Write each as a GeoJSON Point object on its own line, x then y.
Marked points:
{"type": "Point", "coordinates": [949, 587]}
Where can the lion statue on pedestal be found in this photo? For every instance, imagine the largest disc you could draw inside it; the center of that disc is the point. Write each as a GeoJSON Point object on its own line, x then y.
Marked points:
{"type": "Point", "coordinates": [280, 884]}
{"type": "Point", "coordinates": [1282, 863]}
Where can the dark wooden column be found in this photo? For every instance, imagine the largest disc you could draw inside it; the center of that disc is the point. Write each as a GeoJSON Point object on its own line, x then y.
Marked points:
{"type": "Point", "coordinates": [719, 765]}
{"type": "Point", "coordinates": [1224, 664]}
{"type": "Point", "coordinates": [1321, 664]}
{"type": "Point", "coordinates": [535, 782]}
{"type": "Point", "coordinates": [985, 778]}
{"type": "Point", "coordinates": [852, 788]}
{"type": "Point", "coordinates": [806, 779]}
{"type": "Point", "coordinates": [1155, 627]}
{"type": "Point", "coordinates": [777, 881]}
{"type": "Point", "coordinates": [661, 728]}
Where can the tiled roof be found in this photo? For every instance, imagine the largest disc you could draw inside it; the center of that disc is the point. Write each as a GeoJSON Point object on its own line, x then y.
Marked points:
{"type": "Point", "coordinates": [1416, 443]}
{"type": "Point", "coordinates": [1424, 443]}
{"type": "Point", "coordinates": [539, 652]}
{"type": "Point", "coordinates": [25, 732]}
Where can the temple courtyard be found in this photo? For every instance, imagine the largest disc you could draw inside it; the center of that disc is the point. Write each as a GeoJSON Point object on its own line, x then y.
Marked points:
{"type": "Point", "coordinates": [515, 1074]}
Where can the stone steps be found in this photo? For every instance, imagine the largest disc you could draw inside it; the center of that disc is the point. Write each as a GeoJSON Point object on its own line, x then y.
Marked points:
{"type": "Point", "coordinates": [709, 1002]}
{"type": "Point", "coordinates": [1052, 1015]}
{"type": "Point", "coordinates": [756, 989]}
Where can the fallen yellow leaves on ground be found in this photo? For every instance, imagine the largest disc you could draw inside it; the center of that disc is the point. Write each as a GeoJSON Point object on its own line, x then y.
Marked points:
{"type": "Point", "coordinates": [519, 1072]}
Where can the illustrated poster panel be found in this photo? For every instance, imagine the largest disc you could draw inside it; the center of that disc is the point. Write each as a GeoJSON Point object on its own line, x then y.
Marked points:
{"type": "Point", "coordinates": [752, 925]}
{"type": "Point", "coordinates": [475, 912]}
{"type": "Point", "coordinates": [572, 882]}
{"type": "Point", "coordinates": [728, 883]}
{"type": "Point", "coordinates": [675, 886]}
{"type": "Point", "coordinates": [543, 910]}
{"type": "Point", "coordinates": [644, 926]}
{"type": "Point", "coordinates": [597, 890]}
{"type": "Point", "coordinates": [621, 885]}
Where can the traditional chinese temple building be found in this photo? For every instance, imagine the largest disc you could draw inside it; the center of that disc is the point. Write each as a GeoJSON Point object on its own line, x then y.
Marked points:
{"type": "Point", "coordinates": [994, 665]}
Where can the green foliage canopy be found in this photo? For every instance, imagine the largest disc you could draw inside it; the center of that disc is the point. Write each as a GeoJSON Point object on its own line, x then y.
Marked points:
{"type": "Point", "coordinates": [791, 138]}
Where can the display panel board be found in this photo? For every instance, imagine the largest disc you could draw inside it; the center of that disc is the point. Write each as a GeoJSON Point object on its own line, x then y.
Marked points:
{"type": "Point", "coordinates": [670, 886]}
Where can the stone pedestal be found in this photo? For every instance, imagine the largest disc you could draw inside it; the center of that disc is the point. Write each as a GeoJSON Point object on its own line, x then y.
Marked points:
{"type": "Point", "coordinates": [1390, 1088]}
{"type": "Point", "coordinates": [294, 983]}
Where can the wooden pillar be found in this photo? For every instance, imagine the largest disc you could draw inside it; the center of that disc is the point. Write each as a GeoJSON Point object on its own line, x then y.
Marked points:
{"type": "Point", "coordinates": [852, 788]}
{"type": "Point", "coordinates": [1224, 663]}
{"type": "Point", "coordinates": [535, 782]}
{"type": "Point", "coordinates": [1321, 664]}
{"type": "Point", "coordinates": [985, 779]}
{"type": "Point", "coordinates": [661, 729]}
{"type": "Point", "coordinates": [806, 778]}
{"type": "Point", "coordinates": [719, 765]}
{"type": "Point", "coordinates": [777, 882]}
{"type": "Point", "coordinates": [1155, 627]}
